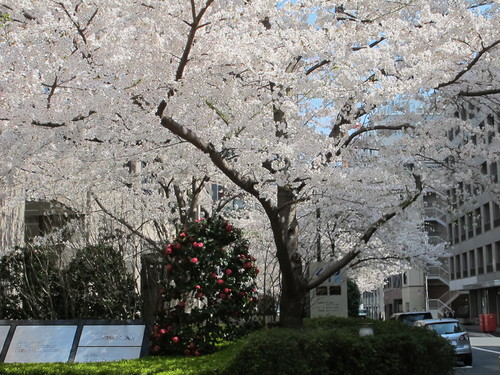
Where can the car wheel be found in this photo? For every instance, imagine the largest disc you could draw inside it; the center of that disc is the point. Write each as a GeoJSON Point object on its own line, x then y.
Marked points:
{"type": "Point", "coordinates": [468, 360]}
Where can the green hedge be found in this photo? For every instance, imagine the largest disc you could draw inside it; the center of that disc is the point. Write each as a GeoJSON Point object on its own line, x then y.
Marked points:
{"type": "Point", "coordinates": [333, 346]}
{"type": "Point", "coordinates": [325, 346]}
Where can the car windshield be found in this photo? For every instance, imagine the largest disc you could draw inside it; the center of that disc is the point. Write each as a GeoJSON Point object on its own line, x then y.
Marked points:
{"type": "Point", "coordinates": [413, 318]}
{"type": "Point", "coordinates": [446, 328]}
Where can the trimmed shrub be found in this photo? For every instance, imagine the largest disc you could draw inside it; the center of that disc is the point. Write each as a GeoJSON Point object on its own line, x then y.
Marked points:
{"type": "Point", "coordinates": [100, 286]}
{"type": "Point", "coordinates": [94, 285]}
{"type": "Point", "coordinates": [30, 280]}
{"type": "Point", "coordinates": [333, 346]}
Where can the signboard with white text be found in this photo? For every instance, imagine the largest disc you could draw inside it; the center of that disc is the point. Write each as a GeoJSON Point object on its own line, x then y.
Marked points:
{"type": "Point", "coordinates": [110, 343]}
{"type": "Point", "coordinates": [330, 298]}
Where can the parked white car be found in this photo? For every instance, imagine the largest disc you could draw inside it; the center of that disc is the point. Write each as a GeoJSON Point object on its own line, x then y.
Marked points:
{"type": "Point", "coordinates": [454, 332]}
{"type": "Point", "coordinates": [411, 317]}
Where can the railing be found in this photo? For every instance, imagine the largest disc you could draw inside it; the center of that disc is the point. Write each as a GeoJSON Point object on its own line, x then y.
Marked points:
{"type": "Point", "coordinates": [438, 305]}
{"type": "Point", "coordinates": [435, 213]}
{"type": "Point", "coordinates": [449, 296]}
{"type": "Point", "coordinates": [438, 271]}
{"type": "Point", "coordinates": [435, 240]}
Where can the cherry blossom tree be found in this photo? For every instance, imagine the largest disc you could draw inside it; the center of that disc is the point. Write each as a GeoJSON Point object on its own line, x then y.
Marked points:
{"type": "Point", "coordinates": [287, 101]}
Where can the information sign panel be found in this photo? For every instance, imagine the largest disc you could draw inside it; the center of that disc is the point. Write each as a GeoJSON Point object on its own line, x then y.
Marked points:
{"type": "Point", "coordinates": [109, 353]}
{"type": "Point", "coordinates": [330, 298]}
{"type": "Point", "coordinates": [4, 331]}
{"type": "Point", "coordinates": [112, 335]}
{"type": "Point", "coordinates": [33, 343]}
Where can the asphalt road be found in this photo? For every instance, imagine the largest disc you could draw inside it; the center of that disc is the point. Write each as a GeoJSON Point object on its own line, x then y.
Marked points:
{"type": "Point", "coordinates": [485, 354]}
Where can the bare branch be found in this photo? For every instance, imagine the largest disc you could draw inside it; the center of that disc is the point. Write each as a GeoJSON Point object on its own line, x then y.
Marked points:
{"type": "Point", "coordinates": [127, 225]}
{"type": "Point", "coordinates": [479, 93]}
{"type": "Point", "coordinates": [83, 117]}
{"type": "Point", "coordinates": [190, 40]}
{"type": "Point", "coordinates": [317, 66]}
{"type": "Point", "coordinates": [370, 45]}
{"type": "Point", "coordinates": [378, 259]}
{"type": "Point", "coordinates": [208, 148]}
{"type": "Point", "coordinates": [48, 124]}
{"type": "Point", "coordinates": [470, 65]}
{"type": "Point", "coordinates": [367, 129]}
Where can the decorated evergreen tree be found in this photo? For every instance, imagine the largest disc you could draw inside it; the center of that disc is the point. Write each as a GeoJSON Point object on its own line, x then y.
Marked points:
{"type": "Point", "coordinates": [208, 290]}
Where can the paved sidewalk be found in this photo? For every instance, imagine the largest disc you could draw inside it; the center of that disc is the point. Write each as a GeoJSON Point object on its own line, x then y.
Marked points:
{"type": "Point", "coordinates": [475, 331]}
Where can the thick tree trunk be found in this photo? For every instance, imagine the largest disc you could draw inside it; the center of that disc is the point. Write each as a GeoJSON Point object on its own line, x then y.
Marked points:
{"type": "Point", "coordinates": [293, 282]}
{"type": "Point", "coordinates": [292, 304]}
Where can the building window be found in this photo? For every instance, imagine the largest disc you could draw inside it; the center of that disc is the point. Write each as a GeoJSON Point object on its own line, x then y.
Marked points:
{"type": "Point", "coordinates": [464, 265]}
{"type": "Point", "coordinates": [489, 258]}
{"type": "Point", "coordinates": [453, 198]}
{"type": "Point", "coordinates": [496, 214]}
{"type": "Point", "coordinates": [477, 221]}
{"type": "Point", "coordinates": [463, 114]}
{"type": "Point", "coordinates": [497, 255]}
{"type": "Point", "coordinates": [470, 225]}
{"type": "Point", "coordinates": [484, 168]}
{"type": "Point", "coordinates": [480, 261]}
{"type": "Point", "coordinates": [491, 135]}
{"type": "Point", "coordinates": [486, 217]}
{"type": "Point", "coordinates": [455, 232]}
{"type": "Point", "coordinates": [450, 134]}
{"type": "Point", "coordinates": [491, 122]}
{"type": "Point", "coordinates": [494, 172]}
{"type": "Point", "coordinates": [460, 193]}
{"type": "Point", "coordinates": [472, 262]}
{"type": "Point", "coordinates": [458, 267]}
{"type": "Point", "coordinates": [462, 228]}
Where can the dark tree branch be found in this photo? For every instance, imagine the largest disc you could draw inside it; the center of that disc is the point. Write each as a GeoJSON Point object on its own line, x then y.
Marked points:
{"type": "Point", "coordinates": [479, 93]}
{"type": "Point", "coordinates": [359, 261]}
{"type": "Point", "coordinates": [181, 204]}
{"type": "Point", "coordinates": [83, 117]}
{"type": "Point", "coordinates": [367, 129]}
{"type": "Point", "coordinates": [325, 62]}
{"type": "Point", "coordinates": [317, 66]}
{"type": "Point", "coordinates": [190, 40]}
{"type": "Point", "coordinates": [370, 45]}
{"type": "Point", "coordinates": [52, 91]}
{"type": "Point", "coordinates": [224, 202]}
{"type": "Point", "coordinates": [470, 65]}
{"type": "Point", "coordinates": [81, 30]}
{"type": "Point", "coordinates": [48, 124]}
{"type": "Point", "coordinates": [194, 27]}
{"type": "Point", "coordinates": [208, 148]}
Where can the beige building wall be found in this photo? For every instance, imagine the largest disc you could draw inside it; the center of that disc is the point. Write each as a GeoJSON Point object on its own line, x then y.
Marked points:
{"type": "Point", "coordinates": [413, 290]}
